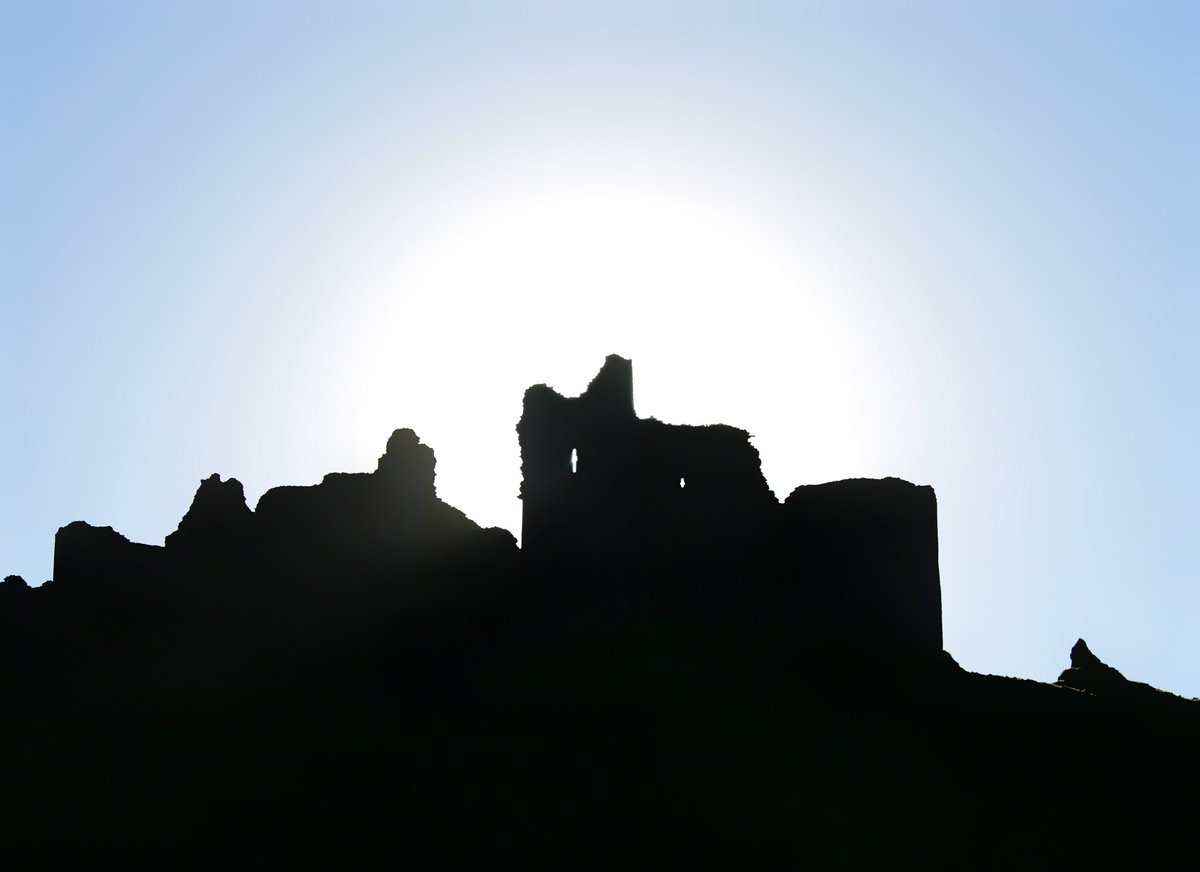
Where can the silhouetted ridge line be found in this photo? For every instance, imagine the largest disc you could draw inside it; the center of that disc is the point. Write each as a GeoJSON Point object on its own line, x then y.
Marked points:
{"type": "Point", "coordinates": [676, 671]}
{"type": "Point", "coordinates": [1092, 675]}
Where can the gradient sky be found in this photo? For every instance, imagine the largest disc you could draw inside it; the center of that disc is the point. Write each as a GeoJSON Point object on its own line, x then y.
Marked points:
{"type": "Point", "coordinates": [954, 242]}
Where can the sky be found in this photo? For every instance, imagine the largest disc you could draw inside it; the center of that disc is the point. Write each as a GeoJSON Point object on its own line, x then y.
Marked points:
{"type": "Point", "coordinates": [954, 242]}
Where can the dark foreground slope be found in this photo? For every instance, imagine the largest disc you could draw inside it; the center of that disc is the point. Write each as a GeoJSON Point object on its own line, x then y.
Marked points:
{"type": "Point", "coordinates": [675, 671]}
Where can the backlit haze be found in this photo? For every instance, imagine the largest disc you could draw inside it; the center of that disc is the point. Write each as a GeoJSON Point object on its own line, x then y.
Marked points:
{"type": "Point", "coordinates": [954, 242]}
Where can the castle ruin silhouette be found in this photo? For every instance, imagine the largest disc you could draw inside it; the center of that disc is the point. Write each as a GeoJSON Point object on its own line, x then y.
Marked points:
{"type": "Point", "coordinates": [675, 669]}
{"type": "Point", "coordinates": [636, 514]}
{"type": "Point", "coordinates": [608, 495]}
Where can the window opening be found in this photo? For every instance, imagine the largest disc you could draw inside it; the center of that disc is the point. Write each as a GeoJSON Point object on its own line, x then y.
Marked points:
{"type": "Point", "coordinates": [574, 461]}
{"type": "Point", "coordinates": [683, 483]}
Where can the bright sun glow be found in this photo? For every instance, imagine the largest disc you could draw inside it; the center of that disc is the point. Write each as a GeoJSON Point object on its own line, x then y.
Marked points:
{"type": "Point", "coordinates": [724, 322]}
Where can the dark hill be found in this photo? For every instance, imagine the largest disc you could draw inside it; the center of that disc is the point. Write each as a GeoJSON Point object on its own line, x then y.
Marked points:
{"type": "Point", "coordinates": [675, 671]}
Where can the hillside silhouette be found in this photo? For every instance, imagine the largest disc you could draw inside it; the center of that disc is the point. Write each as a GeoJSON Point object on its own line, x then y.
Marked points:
{"type": "Point", "coordinates": [675, 670]}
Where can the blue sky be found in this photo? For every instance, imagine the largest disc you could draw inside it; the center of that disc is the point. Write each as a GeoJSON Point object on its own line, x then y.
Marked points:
{"type": "Point", "coordinates": [950, 241]}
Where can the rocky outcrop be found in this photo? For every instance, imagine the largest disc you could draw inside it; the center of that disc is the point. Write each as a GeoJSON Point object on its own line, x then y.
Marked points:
{"type": "Point", "coordinates": [1088, 672]}
{"type": "Point", "coordinates": [1091, 674]}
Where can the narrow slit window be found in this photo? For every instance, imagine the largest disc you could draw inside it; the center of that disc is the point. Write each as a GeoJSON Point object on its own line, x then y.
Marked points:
{"type": "Point", "coordinates": [574, 461]}
{"type": "Point", "coordinates": [682, 482]}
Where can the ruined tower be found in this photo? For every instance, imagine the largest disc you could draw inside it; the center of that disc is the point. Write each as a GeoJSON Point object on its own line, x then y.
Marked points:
{"type": "Point", "coordinates": [633, 506]}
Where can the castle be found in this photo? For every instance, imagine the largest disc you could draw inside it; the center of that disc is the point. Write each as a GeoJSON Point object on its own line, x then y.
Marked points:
{"type": "Point", "coordinates": [675, 668]}
{"type": "Point", "coordinates": [611, 498]}
{"type": "Point", "coordinates": [629, 516]}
